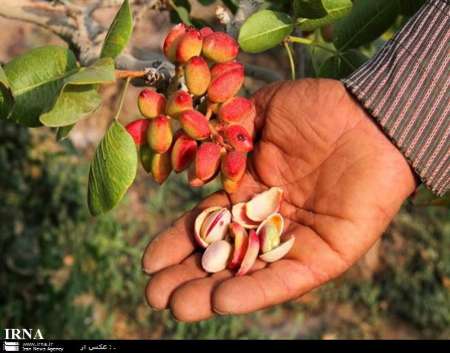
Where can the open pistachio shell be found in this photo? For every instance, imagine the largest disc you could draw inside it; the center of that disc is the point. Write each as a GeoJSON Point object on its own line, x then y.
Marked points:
{"type": "Point", "coordinates": [270, 231]}
{"type": "Point", "coordinates": [278, 252]}
{"type": "Point", "coordinates": [239, 236]}
{"type": "Point", "coordinates": [216, 255]}
{"type": "Point", "coordinates": [240, 217]}
{"type": "Point", "coordinates": [264, 204]}
{"type": "Point", "coordinates": [215, 226]}
{"type": "Point", "coordinates": [199, 223]}
{"type": "Point", "coordinates": [250, 255]}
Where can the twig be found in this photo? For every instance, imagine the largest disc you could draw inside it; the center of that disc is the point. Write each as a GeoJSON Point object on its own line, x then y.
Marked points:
{"type": "Point", "coordinates": [76, 25]}
{"type": "Point", "coordinates": [233, 23]}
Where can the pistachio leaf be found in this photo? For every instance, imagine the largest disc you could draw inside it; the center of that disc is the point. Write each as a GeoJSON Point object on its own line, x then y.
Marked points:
{"type": "Point", "coordinates": [335, 10]}
{"type": "Point", "coordinates": [119, 32]}
{"type": "Point", "coordinates": [36, 79]}
{"type": "Point", "coordinates": [263, 30]}
{"type": "Point", "coordinates": [79, 96]}
{"type": "Point", "coordinates": [112, 170]}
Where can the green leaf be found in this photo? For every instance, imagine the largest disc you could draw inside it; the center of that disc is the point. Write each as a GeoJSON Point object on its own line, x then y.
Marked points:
{"type": "Point", "coordinates": [342, 64]}
{"type": "Point", "coordinates": [113, 169]}
{"type": "Point", "coordinates": [36, 78]}
{"type": "Point", "coordinates": [181, 12]}
{"type": "Point", "coordinates": [102, 71]}
{"type": "Point", "coordinates": [309, 8]}
{"type": "Point", "coordinates": [6, 97]}
{"type": "Point", "coordinates": [264, 30]}
{"type": "Point", "coordinates": [336, 9]}
{"type": "Point", "coordinates": [119, 32]}
{"type": "Point", "coordinates": [63, 131]}
{"type": "Point", "coordinates": [367, 21]}
{"type": "Point", "coordinates": [79, 96]}
{"type": "Point", "coordinates": [74, 103]}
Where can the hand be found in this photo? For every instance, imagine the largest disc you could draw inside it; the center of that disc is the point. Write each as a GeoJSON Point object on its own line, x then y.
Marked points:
{"type": "Point", "coordinates": [343, 182]}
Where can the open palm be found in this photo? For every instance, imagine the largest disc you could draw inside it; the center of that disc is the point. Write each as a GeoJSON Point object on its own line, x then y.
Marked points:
{"type": "Point", "coordinates": [343, 182]}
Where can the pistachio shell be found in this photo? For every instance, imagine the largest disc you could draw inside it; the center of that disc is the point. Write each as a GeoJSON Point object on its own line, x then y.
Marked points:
{"type": "Point", "coordinates": [250, 255]}
{"type": "Point", "coordinates": [215, 226]}
{"type": "Point", "coordinates": [216, 255]}
{"type": "Point", "coordinates": [239, 216]}
{"type": "Point", "coordinates": [240, 238]}
{"type": "Point", "coordinates": [264, 204]}
{"type": "Point", "coordinates": [278, 252]}
{"type": "Point", "coordinates": [270, 231]}
{"type": "Point", "coordinates": [199, 222]}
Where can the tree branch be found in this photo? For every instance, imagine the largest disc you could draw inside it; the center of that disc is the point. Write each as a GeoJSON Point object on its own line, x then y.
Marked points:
{"type": "Point", "coordinates": [234, 22]}
{"type": "Point", "coordinates": [75, 25]}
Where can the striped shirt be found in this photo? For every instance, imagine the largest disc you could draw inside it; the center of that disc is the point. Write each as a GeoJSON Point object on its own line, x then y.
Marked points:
{"type": "Point", "coordinates": [406, 88]}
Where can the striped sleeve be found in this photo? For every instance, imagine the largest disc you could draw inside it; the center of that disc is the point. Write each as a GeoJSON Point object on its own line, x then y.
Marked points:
{"type": "Point", "coordinates": [406, 89]}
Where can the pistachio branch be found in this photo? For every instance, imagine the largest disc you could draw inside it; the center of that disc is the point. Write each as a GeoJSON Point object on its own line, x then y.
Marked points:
{"type": "Point", "coordinates": [73, 23]}
{"type": "Point", "coordinates": [76, 25]}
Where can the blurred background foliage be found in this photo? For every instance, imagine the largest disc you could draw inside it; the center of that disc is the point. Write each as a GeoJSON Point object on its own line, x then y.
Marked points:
{"type": "Point", "coordinates": [74, 276]}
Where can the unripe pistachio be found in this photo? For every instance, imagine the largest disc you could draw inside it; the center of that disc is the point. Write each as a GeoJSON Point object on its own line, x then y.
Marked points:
{"type": "Point", "coordinates": [230, 186]}
{"type": "Point", "coordinates": [220, 69]}
{"type": "Point", "coordinates": [157, 164]}
{"type": "Point", "coordinates": [225, 85]}
{"type": "Point", "coordinates": [151, 103]}
{"type": "Point", "coordinates": [195, 124]}
{"type": "Point", "coordinates": [190, 45]}
{"type": "Point", "coordinates": [233, 165]}
{"type": "Point", "coordinates": [212, 107]}
{"type": "Point", "coordinates": [159, 134]}
{"type": "Point", "coordinates": [178, 102]}
{"type": "Point", "coordinates": [238, 138]}
{"type": "Point", "coordinates": [197, 75]}
{"type": "Point", "coordinates": [138, 130]}
{"type": "Point", "coordinates": [172, 40]}
{"type": "Point", "coordinates": [220, 47]}
{"type": "Point", "coordinates": [145, 156]}
{"type": "Point", "coordinates": [207, 161]}
{"type": "Point", "coordinates": [233, 169]}
{"type": "Point", "coordinates": [193, 180]}
{"type": "Point", "coordinates": [161, 167]}
{"type": "Point", "coordinates": [237, 109]}
{"type": "Point", "coordinates": [206, 31]}
{"type": "Point", "coordinates": [183, 152]}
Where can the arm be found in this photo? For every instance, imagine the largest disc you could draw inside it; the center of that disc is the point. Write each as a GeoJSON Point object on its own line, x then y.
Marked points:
{"type": "Point", "coordinates": [406, 88]}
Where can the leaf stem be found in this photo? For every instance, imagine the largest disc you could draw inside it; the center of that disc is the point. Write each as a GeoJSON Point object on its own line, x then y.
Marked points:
{"type": "Point", "coordinates": [310, 42]}
{"type": "Point", "coordinates": [122, 98]}
{"type": "Point", "coordinates": [130, 73]}
{"type": "Point", "coordinates": [291, 59]}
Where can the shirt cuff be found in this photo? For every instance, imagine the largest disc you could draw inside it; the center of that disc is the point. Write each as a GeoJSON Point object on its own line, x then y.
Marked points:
{"type": "Point", "coordinates": [406, 88]}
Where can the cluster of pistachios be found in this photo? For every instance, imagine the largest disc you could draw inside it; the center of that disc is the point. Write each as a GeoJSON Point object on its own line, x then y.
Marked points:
{"type": "Point", "coordinates": [204, 109]}
{"type": "Point", "coordinates": [234, 239]}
